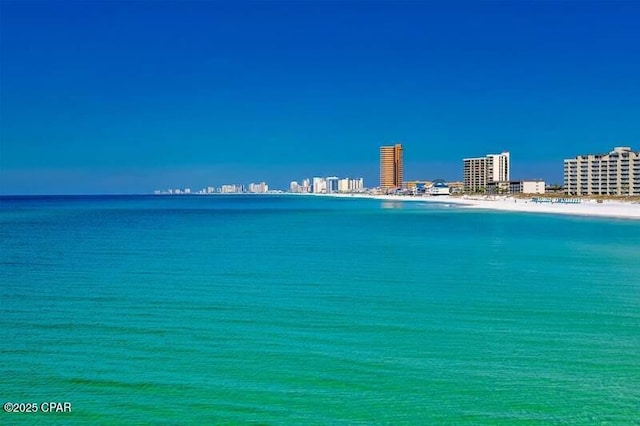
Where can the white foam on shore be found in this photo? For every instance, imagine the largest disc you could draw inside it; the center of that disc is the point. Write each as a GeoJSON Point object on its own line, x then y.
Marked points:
{"type": "Point", "coordinates": [586, 207]}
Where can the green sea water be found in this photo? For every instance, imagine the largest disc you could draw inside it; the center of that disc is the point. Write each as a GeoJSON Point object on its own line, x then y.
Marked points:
{"type": "Point", "coordinates": [306, 310]}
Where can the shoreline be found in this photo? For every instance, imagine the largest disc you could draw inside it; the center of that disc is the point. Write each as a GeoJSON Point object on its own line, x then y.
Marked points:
{"type": "Point", "coordinates": [583, 207]}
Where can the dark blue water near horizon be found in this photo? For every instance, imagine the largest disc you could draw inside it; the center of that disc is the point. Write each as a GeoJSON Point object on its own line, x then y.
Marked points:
{"type": "Point", "coordinates": [280, 309]}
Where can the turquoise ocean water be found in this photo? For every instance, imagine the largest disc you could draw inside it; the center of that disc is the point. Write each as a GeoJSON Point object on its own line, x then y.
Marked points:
{"type": "Point", "coordinates": [307, 310]}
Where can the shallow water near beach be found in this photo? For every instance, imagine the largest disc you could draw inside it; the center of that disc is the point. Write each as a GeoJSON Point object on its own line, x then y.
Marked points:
{"type": "Point", "coordinates": [312, 310]}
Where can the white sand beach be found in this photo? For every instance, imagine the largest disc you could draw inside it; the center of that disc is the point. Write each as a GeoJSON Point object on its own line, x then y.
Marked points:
{"type": "Point", "coordinates": [558, 205]}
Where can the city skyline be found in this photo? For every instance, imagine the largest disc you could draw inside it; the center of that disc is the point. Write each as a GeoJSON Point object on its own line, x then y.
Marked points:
{"type": "Point", "coordinates": [125, 97]}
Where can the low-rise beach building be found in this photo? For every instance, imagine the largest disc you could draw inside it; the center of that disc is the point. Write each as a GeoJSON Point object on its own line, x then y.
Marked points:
{"type": "Point", "coordinates": [517, 187]}
{"type": "Point", "coordinates": [456, 187]}
{"type": "Point", "coordinates": [439, 187]}
{"type": "Point", "coordinates": [417, 185]}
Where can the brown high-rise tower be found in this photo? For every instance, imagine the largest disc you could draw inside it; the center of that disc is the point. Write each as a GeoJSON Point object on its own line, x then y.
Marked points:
{"type": "Point", "coordinates": [391, 169]}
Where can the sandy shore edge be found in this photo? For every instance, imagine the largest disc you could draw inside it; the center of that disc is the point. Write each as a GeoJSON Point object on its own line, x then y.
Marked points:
{"type": "Point", "coordinates": [558, 205]}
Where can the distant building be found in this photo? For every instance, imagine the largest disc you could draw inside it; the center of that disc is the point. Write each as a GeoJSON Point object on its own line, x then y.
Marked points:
{"type": "Point", "coordinates": [350, 185]}
{"type": "Point", "coordinates": [306, 186]}
{"type": "Point", "coordinates": [319, 185]}
{"type": "Point", "coordinates": [615, 173]}
{"type": "Point", "coordinates": [391, 167]}
{"type": "Point", "coordinates": [356, 184]}
{"type": "Point", "coordinates": [529, 186]}
{"type": "Point", "coordinates": [331, 184]}
{"type": "Point", "coordinates": [231, 189]}
{"type": "Point", "coordinates": [456, 187]}
{"type": "Point", "coordinates": [258, 188]}
{"type": "Point", "coordinates": [417, 185]}
{"type": "Point", "coordinates": [479, 172]}
{"type": "Point", "coordinates": [517, 187]}
{"type": "Point", "coordinates": [438, 187]}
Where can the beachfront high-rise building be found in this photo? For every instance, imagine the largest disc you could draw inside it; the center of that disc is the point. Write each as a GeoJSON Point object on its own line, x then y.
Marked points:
{"type": "Point", "coordinates": [391, 167]}
{"type": "Point", "coordinates": [258, 188]}
{"type": "Point", "coordinates": [481, 171]}
{"type": "Point", "coordinates": [615, 173]}
{"type": "Point", "coordinates": [319, 185]}
{"type": "Point", "coordinates": [232, 189]}
{"type": "Point", "coordinates": [306, 186]}
{"type": "Point", "coordinates": [331, 184]}
{"type": "Point", "coordinates": [351, 185]}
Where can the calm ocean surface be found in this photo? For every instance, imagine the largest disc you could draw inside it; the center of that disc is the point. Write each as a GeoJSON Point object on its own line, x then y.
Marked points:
{"type": "Point", "coordinates": [308, 310]}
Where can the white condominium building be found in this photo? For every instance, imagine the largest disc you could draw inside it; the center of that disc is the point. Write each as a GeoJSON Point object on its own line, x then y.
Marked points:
{"type": "Point", "coordinates": [231, 189]}
{"type": "Point", "coordinates": [319, 185]}
{"type": "Point", "coordinates": [481, 171]}
{"type": "Point", "coordinates": [258, 188]}
{"type": "Point", "coordinates": [517, 187]}
{"type": "Point", "coordinates": [615, 173]}
{"type": "Point", "coordinates": [350, 185]}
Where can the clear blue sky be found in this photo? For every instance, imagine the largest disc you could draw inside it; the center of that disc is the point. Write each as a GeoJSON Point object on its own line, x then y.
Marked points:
{"type": "Point", "coordinates": [130, 96]}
